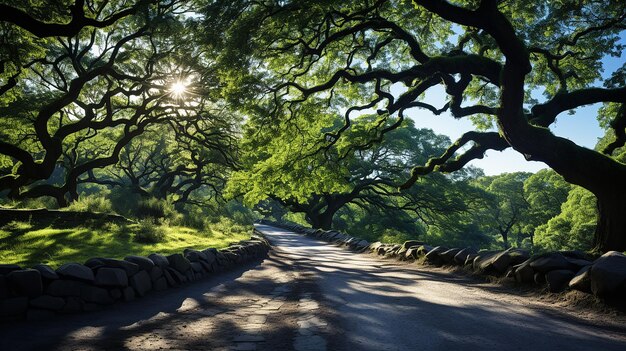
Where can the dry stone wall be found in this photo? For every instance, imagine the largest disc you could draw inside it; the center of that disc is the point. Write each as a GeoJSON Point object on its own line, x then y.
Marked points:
{"type": "Point", "coordinates": [604, 276]}
{"type": "Point", "coordinates": [42, 292]}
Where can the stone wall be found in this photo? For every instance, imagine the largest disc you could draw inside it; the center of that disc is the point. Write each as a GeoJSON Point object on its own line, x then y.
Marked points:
{"type": "Point", "coordinates": [42, 292]}
{"type": "Point", "coordinates": [604, 276]}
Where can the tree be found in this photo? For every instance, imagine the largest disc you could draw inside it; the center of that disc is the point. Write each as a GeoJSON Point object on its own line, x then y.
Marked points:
{"type": "Point", "coordinates": [279, 165]}
{"type": "Point", "coordinates": [491, 57]}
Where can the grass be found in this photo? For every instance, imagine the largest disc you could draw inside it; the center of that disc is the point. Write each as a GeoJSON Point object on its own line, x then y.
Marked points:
{"type": "Point", "coordinates": [57, 242]}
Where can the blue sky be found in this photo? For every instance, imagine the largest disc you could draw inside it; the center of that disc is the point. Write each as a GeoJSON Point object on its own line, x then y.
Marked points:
{"type": "Point", "coordinates": [581, 127]}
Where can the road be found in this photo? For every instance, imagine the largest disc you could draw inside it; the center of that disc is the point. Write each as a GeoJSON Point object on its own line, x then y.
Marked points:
{"type": "Point", "coordinates": [308, 295]}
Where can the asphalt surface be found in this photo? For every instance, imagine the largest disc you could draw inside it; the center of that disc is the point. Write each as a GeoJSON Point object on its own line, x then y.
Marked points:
{"type": "Point", "coordinates": [308, 295]}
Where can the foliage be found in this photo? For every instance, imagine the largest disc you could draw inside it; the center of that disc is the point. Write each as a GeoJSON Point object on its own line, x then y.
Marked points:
{"type": "Point", "coordinates": [573, 228]}
{"type": "Point", "coordinates": [149, 232]}
{"type": "Point", "coordinates": [91, 203]}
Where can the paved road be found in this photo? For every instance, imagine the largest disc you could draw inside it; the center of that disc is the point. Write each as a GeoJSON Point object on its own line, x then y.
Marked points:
{"type": "Point", "coordinates": [308, 295]}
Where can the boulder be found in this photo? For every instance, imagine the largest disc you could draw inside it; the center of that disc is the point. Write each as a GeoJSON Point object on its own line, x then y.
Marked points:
{"type": "Point", "coordinates": [195, 256]}
{"type": "Point", "coordinates": [48, 302]}
{"type": "Point", "coordinates": [197, 267]}
{"type": "Point", "coordinates": [447, 257]}
{"type": "Point", "coordinates": [577, 263]}
{"type": "Point", "coordinates": [608, 274]}
{"type": "Point", "coordinates": [72, 305]}
{"type": "Point", "coordinates": [411, 253]}
{"type": "Point", "coordinates": [407, 244]}
{"type": "Point", "coordinates": [144, 263]}
{"type": "Point", "coordinates": [423, 250]}
{"type": "Point", "coordinates": [169, 277]}
{"type": "Point", "coordinates": [111, 277]}
{"type": "Point", "coordinates": [179, 263]}
{"type": "Point", "coordinates": [141, 283]}
{"type": "Point", "coordinates": [558, 279]}
{"type": "Point", "coordinates": [470, 259]}
{"type": "Point", "coordinates": [76, 271]}
{"type": "Point", "coordinates": [129, 267]}
{"type": "Point", "coordinates": [582, 280]}
{"type": "Point", "coordinates": [155, 273]}
{"type": "Point", "coordinates": [494, 262]}
{"type": "Point", "coordinates": [517, 256]}
{"type": "Point", "coordinates": [461, 257]}
{"type": "Point", "coordinates": [95, 294]}
{"type": "Point", "coordinates": [5, 269]}
{"type": "Point", "coordinates": [36, 314]}
{"type": "Point", "coordinates": [550, 262]}
{"type": "Point", "coordinates": [539, 278]}
{"type": "Point", "coordinates": [116, 294]}
{"type": "Point", "coordinates": [26, 282]}
{"type": "Point", "coordinates": [432, 256]}
{"type": "Point", "coordinates": [94, 263]}
{"type": "Point", "coordinates": [64, 288]}
{"type": "Point", "coordinates": [177, 277]}
{"type": "Point", "coordinates": [128, 293]}
{"type": "Point", "coordinates": [47, 273]}
{"type": "Point", "coordinates": [159, 260]}
{"type": "Point", "coordinates": [524, 273]}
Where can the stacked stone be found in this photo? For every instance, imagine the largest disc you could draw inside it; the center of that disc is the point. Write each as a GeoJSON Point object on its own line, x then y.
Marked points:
{"type": "Point", "coordinates": [41, 291]}
{"type": "Point", "coordinates": [557, 271]}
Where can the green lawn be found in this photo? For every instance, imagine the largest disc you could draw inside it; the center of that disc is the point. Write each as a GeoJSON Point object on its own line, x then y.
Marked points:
{"type": "Point", "coordinates": [29, 243]}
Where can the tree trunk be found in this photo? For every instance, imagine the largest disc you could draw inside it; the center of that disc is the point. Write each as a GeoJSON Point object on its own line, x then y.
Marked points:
{"type": "Point", "coordinates": [611, 229]}
{"type": "Point", "coordinates": [322, 220]}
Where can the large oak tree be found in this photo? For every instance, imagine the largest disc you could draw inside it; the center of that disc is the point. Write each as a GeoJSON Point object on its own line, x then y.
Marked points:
{"type": "Point", "coordinates": [513, 65]}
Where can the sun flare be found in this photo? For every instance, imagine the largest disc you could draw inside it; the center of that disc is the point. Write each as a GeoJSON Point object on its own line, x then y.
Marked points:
{"type": "Point", "coordinates": [178, 89]}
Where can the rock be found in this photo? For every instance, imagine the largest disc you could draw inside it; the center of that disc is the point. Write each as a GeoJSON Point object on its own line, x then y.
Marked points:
{"type": "Point", "coordinates": [608, 274]}
{"type": "Point", "coordinates": [76, 271]}
{"type": "Point", "coordinates": [128, 294]}
{"type": "Point", "coordinates": [550, 262]}
{"type": "Point", "coordinates": [582, 280]}
{"type": "Point", "coordinates": [176, 276]}
{"type": "Point", "coordinates": [578, 263]}
{"type": "Point", "coordinates": [111, 277]}
{"type": "Point", "coordinates": [195, 256]}
{"type": "Point", "coordinates": [206, 266]}
{"type": "Point", "coordinates": [179, 263]}
{"type": "Point", "coordinates": [144, 263]}
{"type": "Point", "coordinates": [197, 267]}
{"type": "Point", "coordinates": [94, 263]}
{"type": "Point", "coordinates": [64, 288]}
{"type": "Point", "coordinates": [524, 273]}
{"type": "Point", "coordinates": [461, 257]}
{"type": "Point", "coordinates": [96, 295]}
{"type": "Point", "coordinates": [432, 256]}
{"type": "Point", "coordinates": [470, 259]}
{"type": "Point", "coordinates": [15, 306]}
{"type": "Point", "coordinates": [169, 277]}
{"type": "Point", "coordinates": [411, 253]}
{"type": "Point", "coordinates": [141, 283]}
{"type": "Point", "coordinates": [539, 278]}
{"type": "Point", "coordinates": [48, 302]}
{"type": "Point", "coordinates": [72, 305]}
{"type": "Point", "coordinates": [190, 276]}
{"type": "Point", "coordinates": [448, 256]}
{"type": "Point", "coordinates": [5, 269]}
{"type": "Point", "coordinates": [517, 256]}
{"type": "Point", "coordinates": [210, 254]}
{"type": "Point", "coordinates": [129, 267]}
{"type": "Point", "coordinates": [26, 282]}
{"type": "Point", "coordinates": [407, 244]}
{"type": "Point", "coordinates": [558, 279]}
{"type": "Point", "coordinates": [159, 260]}
{"type": "Point", "coordinates": [495, 263]}
{"type": "Point", "coordinates": [155, 273]}
{"type": "Point", "coordinates": [47, 273]}
{"type": "Point", "coordinates": [116, 294]}
{"type": "Point", "coordinates": [160, 284]}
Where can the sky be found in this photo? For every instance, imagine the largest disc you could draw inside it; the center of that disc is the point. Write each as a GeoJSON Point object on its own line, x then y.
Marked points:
{"type": "Point", "coordinates": [581, 127]}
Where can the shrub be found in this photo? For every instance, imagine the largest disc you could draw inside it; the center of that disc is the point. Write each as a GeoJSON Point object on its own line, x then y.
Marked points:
{"type": "Point", "coordinates": [156, 208]}
{"type": "Point", "coordinates": [149, 232]}
{"type": "Point", "coordinates": [91, 203]}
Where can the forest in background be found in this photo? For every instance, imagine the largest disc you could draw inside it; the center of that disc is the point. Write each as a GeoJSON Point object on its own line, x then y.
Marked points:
{"type": "Point", "coordinates": [200, 113]}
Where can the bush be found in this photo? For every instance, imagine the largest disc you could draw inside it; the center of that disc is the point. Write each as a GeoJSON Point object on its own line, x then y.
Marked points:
{"type": "Point", "coordinates": [149, 232]}
{"type": "Point", "coordinates": [91, 203]}
{"type": "Point", "coordinates": [156, 208]}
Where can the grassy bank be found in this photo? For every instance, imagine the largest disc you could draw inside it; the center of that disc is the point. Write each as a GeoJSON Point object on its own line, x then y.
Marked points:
{"type": "Point", "coordinates": [54, 242]}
